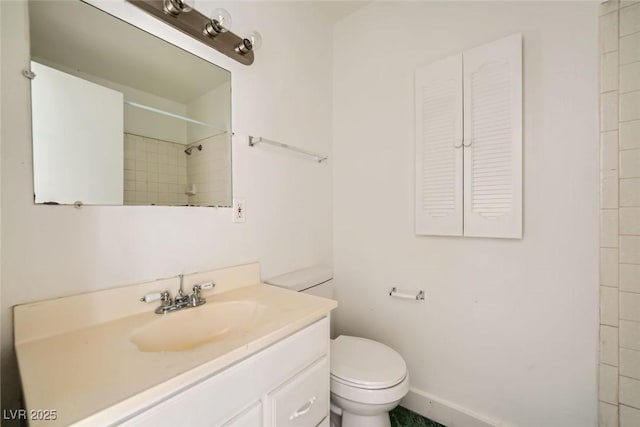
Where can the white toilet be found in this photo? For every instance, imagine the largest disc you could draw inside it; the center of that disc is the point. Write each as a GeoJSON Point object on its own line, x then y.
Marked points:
{"type": "Point", "coordinates": [368, 379]}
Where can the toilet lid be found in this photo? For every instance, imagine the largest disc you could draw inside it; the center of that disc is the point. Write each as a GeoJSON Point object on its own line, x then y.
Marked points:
{"type": "Point", "coordinates": [366, 363]}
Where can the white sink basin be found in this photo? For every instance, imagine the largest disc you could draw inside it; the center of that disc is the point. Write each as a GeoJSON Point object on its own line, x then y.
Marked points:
{"type": "Point", "coordinates": [193, 327]}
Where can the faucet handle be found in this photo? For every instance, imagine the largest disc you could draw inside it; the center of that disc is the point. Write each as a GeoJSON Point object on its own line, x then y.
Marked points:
{"type": "Point", "coordinates": [155, 296]}
{"type": "Point", "coordinates": [203, 286]}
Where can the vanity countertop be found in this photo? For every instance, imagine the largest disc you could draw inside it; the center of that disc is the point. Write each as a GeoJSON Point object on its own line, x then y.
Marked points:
{"type": "Point", "coordinates": [95, 374]}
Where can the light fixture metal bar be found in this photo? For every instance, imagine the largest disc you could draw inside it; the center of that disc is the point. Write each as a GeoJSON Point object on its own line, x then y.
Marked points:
{"type": "Point", "coordinates": [253, 140]}
{"type": "Point", "coordinates": [192, 23]}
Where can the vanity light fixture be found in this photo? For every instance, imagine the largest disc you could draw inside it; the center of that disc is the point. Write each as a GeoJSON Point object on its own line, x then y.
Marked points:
{"type": "Point", "coordinates": [213, 31]}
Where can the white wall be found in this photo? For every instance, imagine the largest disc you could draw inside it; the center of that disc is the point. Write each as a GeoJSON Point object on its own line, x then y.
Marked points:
{"type": "Point", "coordinates": [286, 95]}
{"type": "Point", "coordinates": [509, 327]}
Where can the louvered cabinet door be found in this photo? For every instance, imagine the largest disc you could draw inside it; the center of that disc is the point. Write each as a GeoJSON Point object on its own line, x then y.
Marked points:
{"type": "Point", "coordinates": [493, 139]}
{"type": "Point", "coordinates": [439, 148]}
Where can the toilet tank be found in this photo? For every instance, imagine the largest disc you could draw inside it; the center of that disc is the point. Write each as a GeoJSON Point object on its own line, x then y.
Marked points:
{"type": "Point", "coordinates": [317, 280]}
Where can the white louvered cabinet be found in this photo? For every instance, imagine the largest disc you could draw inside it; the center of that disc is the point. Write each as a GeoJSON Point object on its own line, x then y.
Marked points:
{"type": "Point", "coordinates": [469, 143]}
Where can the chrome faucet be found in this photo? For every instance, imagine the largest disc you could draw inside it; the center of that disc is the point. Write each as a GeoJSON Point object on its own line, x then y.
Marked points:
{"type": "Point", "coordinates": [195, 299]}
{"type": "Point", "coordinates": [182, 300]}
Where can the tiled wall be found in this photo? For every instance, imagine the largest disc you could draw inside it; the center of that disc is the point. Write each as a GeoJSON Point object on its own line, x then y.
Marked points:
{"type": "Point", "coordinates": [155, 172]}
{"type": "Point", "coordinates": [620, 214]}
{"type": "Point", "coordinates": [210, 171]}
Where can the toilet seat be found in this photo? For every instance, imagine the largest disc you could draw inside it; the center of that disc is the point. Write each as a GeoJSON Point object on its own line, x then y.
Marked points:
{"type": "Point", "coordinates": [365, 364]}
{"type": "Point", "coordinates": [381, 396]}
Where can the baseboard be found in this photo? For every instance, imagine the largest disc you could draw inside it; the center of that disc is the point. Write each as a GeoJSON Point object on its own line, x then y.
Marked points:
{"type": "Point", "coordinates": [447, 413]}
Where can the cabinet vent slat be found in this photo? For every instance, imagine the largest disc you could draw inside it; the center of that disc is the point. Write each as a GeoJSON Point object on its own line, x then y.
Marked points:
{"type": "Point", "coordinates": [482, 181]}
{"type": "Point", "coordinates": [488, 140]}
{"type": "Point", "coordinates": [488, 127]}
{"type": "Point", "coordinates": [492, 146]}
{"type": "Point", "coordinates": [484, 160]}
{"type": "Point", "coordinates": [440, 146]}
{"type": "Point", "coordinates": [439, 187]}
{"type": "Point", "coordinates": [435, 169]}
{"type": "Point", "coordinates": [494, 174]}
{"type": "Point", "coordinates": [496, 190]}
{"type": "Point", "coordinates": [491, 157]}
{"type": "Point", "coordinates": [491, 197]}
{"type": "Point", "coordinates": [438, 193]}
{"type": "Point", "coordinates": [490, 108]}
{"type": "Point", "coordinates": [438, 113]}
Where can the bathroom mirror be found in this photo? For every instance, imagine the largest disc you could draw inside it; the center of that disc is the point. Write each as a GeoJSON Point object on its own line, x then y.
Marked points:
{"type": "Point", "coordinates": [121, 117]}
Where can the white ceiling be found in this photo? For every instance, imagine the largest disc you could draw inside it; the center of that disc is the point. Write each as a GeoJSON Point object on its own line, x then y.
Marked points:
{"type": "Point", "coordinates": [335, 10]}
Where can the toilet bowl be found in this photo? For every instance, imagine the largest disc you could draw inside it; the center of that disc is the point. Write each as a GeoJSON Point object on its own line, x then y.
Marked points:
{"type": "Point", "coordinates": [368, 379]}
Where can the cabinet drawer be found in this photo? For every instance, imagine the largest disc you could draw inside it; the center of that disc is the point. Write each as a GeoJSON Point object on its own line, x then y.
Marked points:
{"type": "Point", "coordinates": [304, 400]}
{"type": "Point", "coordinates": [251, 417]}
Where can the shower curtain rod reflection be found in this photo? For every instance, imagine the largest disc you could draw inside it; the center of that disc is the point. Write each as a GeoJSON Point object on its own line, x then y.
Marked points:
{"type": "Point", "coordinates": [175, 116]}
{"type": "Point", "coordinates": [253, 140]}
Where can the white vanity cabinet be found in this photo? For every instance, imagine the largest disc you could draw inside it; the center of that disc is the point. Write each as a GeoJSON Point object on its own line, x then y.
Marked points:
{"type": "Point", "coordinates": [284, 385]}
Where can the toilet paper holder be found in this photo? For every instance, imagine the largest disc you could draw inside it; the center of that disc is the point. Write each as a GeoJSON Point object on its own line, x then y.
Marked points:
{"type": "Point", "coordinates": [397, 294]}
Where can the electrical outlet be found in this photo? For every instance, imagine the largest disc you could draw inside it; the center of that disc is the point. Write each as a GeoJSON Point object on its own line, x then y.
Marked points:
{"type": "Point", "coordinates": [239, 210]}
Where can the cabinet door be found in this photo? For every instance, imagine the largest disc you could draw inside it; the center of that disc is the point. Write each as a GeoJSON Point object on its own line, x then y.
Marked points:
{"type": "Point", "coordinates": [251, 417]}
{"type": "Point", "coordinates": [493, 139]}
{"type": "Point", "coordinates": [304, 400]}
{"type": "Point", "coordinates": [438, 148]}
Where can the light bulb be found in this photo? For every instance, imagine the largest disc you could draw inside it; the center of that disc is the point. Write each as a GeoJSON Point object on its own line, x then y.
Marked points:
{"type": "Point", "coordinates": [252, 42]}
{"type": "Point", "coordinates": [220, 22]}
{"type": "Point", "coordinates": [256, 40]}
{"type": "Point", "coordinates": [176, 7]}
{"type": "Point", "coordinates": [223, 17]}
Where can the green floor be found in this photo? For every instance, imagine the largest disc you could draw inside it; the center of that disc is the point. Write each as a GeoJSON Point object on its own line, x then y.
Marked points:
{"type": "Point", "coordinates": [401, 417]}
